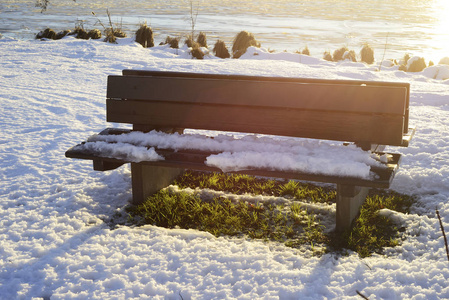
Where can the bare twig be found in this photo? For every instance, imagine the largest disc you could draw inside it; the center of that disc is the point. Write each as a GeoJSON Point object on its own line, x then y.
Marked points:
{"type": "Point", "coordinates": [361, 295]}
{"type": "Point", "coordinates": [385, 50]}
{"type": "Point", "coordinates": [193, 16]}
{"type": "Point", "coordinates": [444, 234]}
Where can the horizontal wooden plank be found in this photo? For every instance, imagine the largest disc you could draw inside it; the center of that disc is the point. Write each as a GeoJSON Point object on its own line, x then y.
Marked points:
{"type": "Point", "coordinates": [194, 160]}
{"type": "Point", "coordinates": [291, 94]}
{"type": "Point", "coordinates": [372, 128]}
{"type": "Point", "coordinates": [132, 72]}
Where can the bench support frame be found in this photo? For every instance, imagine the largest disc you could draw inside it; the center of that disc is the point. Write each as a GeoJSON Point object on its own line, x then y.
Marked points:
{"type": "Point", "coordinates": [147, 180]}
{"type": "Point", "coordinates": [349, 200]}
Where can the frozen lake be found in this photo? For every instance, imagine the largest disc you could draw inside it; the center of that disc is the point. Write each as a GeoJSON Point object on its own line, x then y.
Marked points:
{"type": "Point", "coordinates": [418, 27]}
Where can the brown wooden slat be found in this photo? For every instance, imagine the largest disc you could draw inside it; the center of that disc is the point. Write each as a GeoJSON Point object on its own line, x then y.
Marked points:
{"type": "Point", "coordinates": [281, 79]}
{"type": "Point", "coordinates": [194, 160]}
{"type": "Point", "coordinates": [263, 78]}
{"type": "Point", "coordinates": [313, 96]}
{"type": "Point", "coordinates": [378, 129]}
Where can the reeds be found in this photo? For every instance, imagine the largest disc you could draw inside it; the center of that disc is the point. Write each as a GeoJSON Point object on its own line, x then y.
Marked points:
{"type": "Point", "coordinates": [367, 54]}
{"type": "Point", "coordinates": [172, 41]}
{"type": "Point", "coordinates": [202, 40]}
{"type": "Point", "coordinates": [242, 42]}
{"type": "Point", "coordinates": [144, 36]}
{"type": "Point", "coordinates": [220, 50]}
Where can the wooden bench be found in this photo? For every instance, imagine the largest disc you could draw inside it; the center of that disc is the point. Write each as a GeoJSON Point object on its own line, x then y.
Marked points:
{"type": "Point", "coordinates": [369, 114]}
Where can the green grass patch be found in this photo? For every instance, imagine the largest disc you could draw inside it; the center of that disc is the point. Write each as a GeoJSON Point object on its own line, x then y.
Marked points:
{"type": "Point", "coordinates": [241, 184]}
{"type": "Point", "coordinates": [291, 224]}
{"type": "Point", "coordinates": [221, 216]}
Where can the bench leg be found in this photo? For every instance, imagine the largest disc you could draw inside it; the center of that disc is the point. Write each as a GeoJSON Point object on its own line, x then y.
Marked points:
{"type": "Point", "coordinates": [349, 200]}
{"type": "Point", "coordinates": [147, 180]}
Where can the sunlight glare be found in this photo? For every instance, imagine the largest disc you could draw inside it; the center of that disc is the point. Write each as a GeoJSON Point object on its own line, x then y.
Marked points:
{"type": "Point", "coordinates": [441, 30]}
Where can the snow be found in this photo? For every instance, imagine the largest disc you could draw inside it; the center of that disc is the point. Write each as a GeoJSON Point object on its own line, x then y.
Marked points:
{"type": "Point", "coordinates": [56, 245]}
{"type": "Point", "coordinates": [248, 152]}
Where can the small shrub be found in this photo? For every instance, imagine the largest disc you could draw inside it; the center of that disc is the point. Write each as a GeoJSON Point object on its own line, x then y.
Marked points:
{"type": "Point", "coordinates": [173, 42]}
{"type": "Point", "coordinates": [242, 42]}
{"type": "Point", "coordinates": [367, 54]}
{"type": "Point", "coordinates": [144, 36]}
{"type": "Point", "coordinates": [306, 51]}
{"type": "Point", "coordinates": [94, 34]}
{"type": "Point", "coordinates": [327, 56]}
{"type": "Point", "coordinates": [338, 54]}
{"type": "Point", "coordinates": [80, 33]}
{"type": "Point", "coordinates": [48, 33]}
{"type": "Point", "coordinates": [189, 41]}
{"type": "Point", "coordinates": [350, 55]}
{"type": "Point", "coordinates": [405, 59]}
{"type": "Point", "coordinates": [220, 50]}
{"type": "Point", "coordinates": [196, 51]}
{"type": "Point", "coordinates": [417, 65]}
{"type": "Point", "coordinates": [118, 32]}
{"type": "Point", "coordinates": [62, 34]}
{"type": "Point", "coordinates": [110, 37]}
{"type": "Point", "coordinates": [202, 40]}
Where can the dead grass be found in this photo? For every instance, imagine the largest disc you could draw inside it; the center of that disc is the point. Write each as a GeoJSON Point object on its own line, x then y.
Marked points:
{"type": "Point", "coordinates": [242, 42]}
{"type": "Point", "coordinates": [417, 65]}
{"type": "Point", "coordinates": [367, 54]}
{"type": "Point", "coordinates": [220, 49]}
{"type": "Point", "coordinates": [350, 55]}
{"type": "Point", "coordinates": [196, 51]}
{"type": "Point", "coordinates": [172, 41]}
{"type": "Point", "coordinates": [327, 56]}
{"type": "Point", "coordinates": [144, 36]}
{"type": "Point", "coordinates": [202, 40]}
{"type": "Point", "coordinates": [306, 51]}
{"type": "Point", "coordinates": [48, 33]}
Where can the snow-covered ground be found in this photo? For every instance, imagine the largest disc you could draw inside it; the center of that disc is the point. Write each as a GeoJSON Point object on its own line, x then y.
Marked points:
{"type": "Point", "coordinates": [55, 245]}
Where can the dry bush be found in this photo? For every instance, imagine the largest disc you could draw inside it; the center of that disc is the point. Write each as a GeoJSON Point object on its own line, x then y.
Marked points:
{"type": "Point", "coordinates": [189, 41]}
{"type": "Point", "coordinates": [110, 32]}
{"type": "Point", "coordinates": [173, 42]}
{"type": "Point", "coordinates": [110, 37]}
{"type": "Point", "coordinates": [350, 55]}
{"type": "Point", "coordinates": [220, 50]}
{"type": "Point", "coordinates": [202, 40]}
{"type": "Point", "coordinates": [338, 54]}
{"type": "Point", "coordinates": [242, 42]}
{"type": "Point", "coordinates": [196, 51]}
{"type": "Point", "coordinates": [118, 32]}
{"type": "Point", "coordinates": [405, 59]}
{"type": "Point", "coordinates": [306, 51]}
{"type": "Point", "coordinates": [144, 36]}
{"type": "Point", "coordinates": [367, 54]}
{"type": "Point", "coordinates": [94, 34]}
{"type": "Point", "coordinates": [417, 65]}
{"type": "Point", "coordinates": [48, 33]}
{"type": "Point", "coordinates": [327, 56]}
{"type": "Point", "coordinates": [62, 34]}
{"type": "Point", "coordinates": [80, 33]}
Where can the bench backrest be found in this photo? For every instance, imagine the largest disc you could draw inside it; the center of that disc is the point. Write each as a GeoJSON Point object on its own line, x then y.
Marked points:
{"type": "Point", "coordinates": [344, 110]}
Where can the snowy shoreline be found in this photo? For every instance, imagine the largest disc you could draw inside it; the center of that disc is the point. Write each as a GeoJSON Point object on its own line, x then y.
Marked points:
{"type": "Point", "coordinates": [55, 244]}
